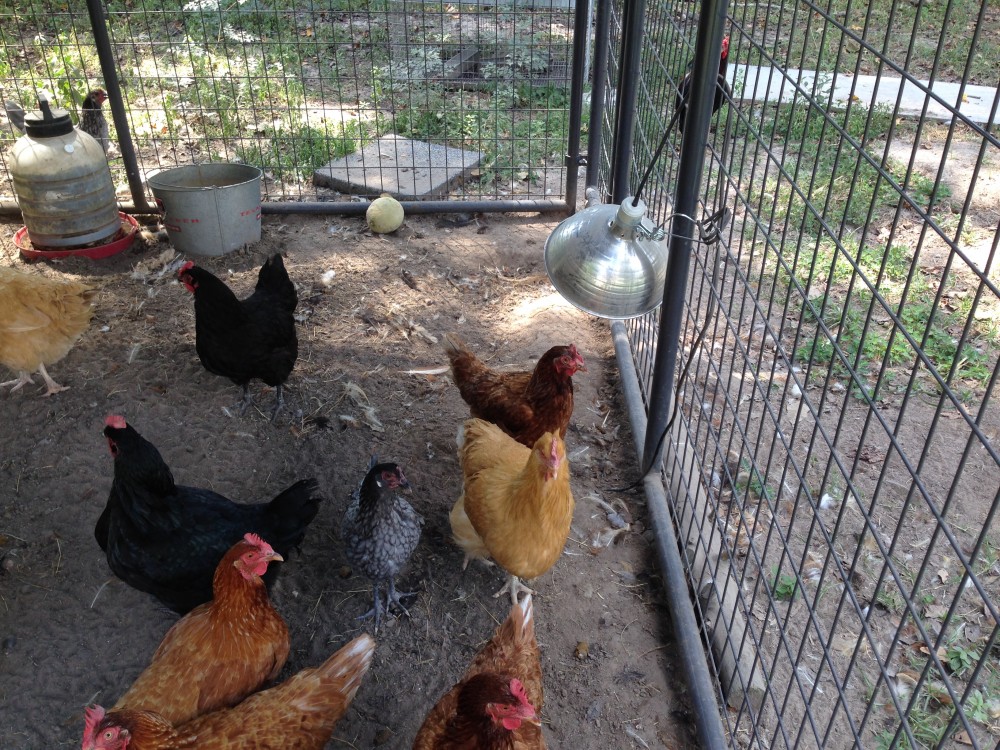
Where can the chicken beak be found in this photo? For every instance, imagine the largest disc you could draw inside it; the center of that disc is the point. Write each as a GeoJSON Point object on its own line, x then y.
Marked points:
{"type": "Point", "coordinates": [275, 557]}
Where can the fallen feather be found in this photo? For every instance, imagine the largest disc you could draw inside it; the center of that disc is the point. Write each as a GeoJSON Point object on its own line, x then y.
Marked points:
{"type": "Point", "coordinates": [428, 371]}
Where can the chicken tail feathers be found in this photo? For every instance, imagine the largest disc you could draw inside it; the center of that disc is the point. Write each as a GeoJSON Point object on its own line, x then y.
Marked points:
{"type": "Point", "coordinates": [520, 623]}
{"type": "Point", "coordinates": [349, 665]}
{"type": "Point", "coordinates": [291, 512]}
{"type": "Point", "coordinates": [454, 345]}
{"type": "Point", "coordinates": [273, 278]}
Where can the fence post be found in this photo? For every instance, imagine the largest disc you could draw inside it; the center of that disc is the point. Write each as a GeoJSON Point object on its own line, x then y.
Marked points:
{"type": "Point", "coordinates": [110, 72]}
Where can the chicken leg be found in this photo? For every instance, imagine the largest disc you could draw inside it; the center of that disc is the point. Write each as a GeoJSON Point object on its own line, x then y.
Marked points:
{"type": "Point", "coordinates": [279, 401]}
{"type": "Point", "coordinates": [247, 401]}
{"type": "Point", "coordinates": [24, 378]}
{"type": "Point", "coordinates": [515, 587]}
{"type": "Point", "coordinates": [393, 597]}
{"type": "Point", "coordinates": [51, 386]}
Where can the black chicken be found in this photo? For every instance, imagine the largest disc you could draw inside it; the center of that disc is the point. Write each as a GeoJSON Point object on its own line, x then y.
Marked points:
{"type": "Point", "coordinates": [246, 339]}
{"type": "Point", "coordinates": [722, 89]}
{"type": "Point", "coordinates": [380, 532]}
{"type": "Point", "coordinates": [92, 120]}
{"type": "Point", "coordinates": [167, 539]}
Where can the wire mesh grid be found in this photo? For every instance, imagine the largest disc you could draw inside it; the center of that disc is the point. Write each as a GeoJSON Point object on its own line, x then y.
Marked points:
{"type": "Point", "coordinates": [480, 93]}
{"type": "Point", "coordinates": [833, 464]}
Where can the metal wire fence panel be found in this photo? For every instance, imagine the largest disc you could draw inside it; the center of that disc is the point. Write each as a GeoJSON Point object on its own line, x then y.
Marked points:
{"type": "Point", "coordinates": [834, 462]}
{"type": "Point", "coordinates": [293, 86]}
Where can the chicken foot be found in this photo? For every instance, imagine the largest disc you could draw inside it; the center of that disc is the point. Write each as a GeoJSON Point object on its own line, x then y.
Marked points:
{"type": "Point", "coordinates": [246, 402]}
{"type": "Point", "coordinates": [515, 587]}
{"type": "Point", "coordinates": [24, 378]}
{"type": "Point", "coordinates": [392, 597]}
{"type": "Point", "coordinates": [279, 401]}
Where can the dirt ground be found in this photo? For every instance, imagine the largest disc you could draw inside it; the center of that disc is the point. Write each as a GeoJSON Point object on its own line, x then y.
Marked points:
{"type": "Point", "coordinates": [371, 308]}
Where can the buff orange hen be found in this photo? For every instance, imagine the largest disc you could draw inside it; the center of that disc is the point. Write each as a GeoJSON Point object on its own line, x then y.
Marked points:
{"type": "Point", "coordinates": [40, 320]}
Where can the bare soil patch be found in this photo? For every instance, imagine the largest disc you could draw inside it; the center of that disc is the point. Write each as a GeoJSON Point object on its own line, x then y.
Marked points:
{"type": "Point", "coordinates": [73, 634]}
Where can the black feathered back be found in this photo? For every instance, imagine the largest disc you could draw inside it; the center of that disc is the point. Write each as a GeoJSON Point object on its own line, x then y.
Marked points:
{"type": "Point", "coordinates": [252, 338]}
{"type": "Point", "coordinates": [167, 539]}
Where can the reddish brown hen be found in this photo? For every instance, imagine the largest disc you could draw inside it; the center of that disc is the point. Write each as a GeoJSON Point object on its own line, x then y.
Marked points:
{"type": "Point", "coordinates": [496, 703]}
{"type": "Point", "coordinates": [299, 714]}
{"type": "Point", "coordinates": [221, 651]}
{"type": "Point", "coordinates": [525, 405]}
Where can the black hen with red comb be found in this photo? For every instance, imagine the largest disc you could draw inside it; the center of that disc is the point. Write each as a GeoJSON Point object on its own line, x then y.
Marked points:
{"type": "Point", "coordinates": [246, 339]}
{"type": "Point", "coordinates": [722, 89]}
{"type": "Point", "coordinates": [167, 539]}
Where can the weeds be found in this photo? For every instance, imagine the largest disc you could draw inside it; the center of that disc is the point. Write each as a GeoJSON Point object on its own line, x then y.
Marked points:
{"type": "Point", "coordinates": [785, 586]}
{"type": "Point", "coordinates": [237, 79]}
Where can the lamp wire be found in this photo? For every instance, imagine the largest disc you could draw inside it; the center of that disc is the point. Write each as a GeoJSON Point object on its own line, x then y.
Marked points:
{"type": "Point", "coordinates": [656, 155]}
{"type": "Point", "coordinates": [711, 232]}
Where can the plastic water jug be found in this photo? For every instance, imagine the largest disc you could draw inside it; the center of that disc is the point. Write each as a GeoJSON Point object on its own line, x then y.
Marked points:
{"type": "Point", "coordinates": [62, 183]}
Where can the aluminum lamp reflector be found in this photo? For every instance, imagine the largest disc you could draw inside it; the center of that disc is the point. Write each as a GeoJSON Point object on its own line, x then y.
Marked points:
{"type": "Point", "coordinates": [602, 261]}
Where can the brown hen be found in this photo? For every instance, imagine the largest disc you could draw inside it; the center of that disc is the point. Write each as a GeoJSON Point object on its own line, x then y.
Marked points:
{"type": "Point", "coordinates": [40, 320]}
{"type": "Point", "coordinates": [222, 650]}
{"type": "Point", "coordinates": [496, 703]}
{"type": "Point", "coordinates": [299, 714]}
{"type": "Point", "coordinates": [516, 504]}
{"type": "Point", "coordinates": [523, 404]}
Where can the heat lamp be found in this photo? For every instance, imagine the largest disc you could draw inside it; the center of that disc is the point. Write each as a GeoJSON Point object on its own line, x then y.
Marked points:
{"type": "Point", "coordinates": [609, 260]}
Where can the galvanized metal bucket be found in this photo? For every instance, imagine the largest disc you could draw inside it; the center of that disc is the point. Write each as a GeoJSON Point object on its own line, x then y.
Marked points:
{"type": "Point", "coordinates": [209, 209]}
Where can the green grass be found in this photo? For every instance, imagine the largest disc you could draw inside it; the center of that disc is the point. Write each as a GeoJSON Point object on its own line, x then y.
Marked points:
{"type": "Point", "coordinates": [808, 40]}
{"type": "Point", "coordinates": [834, 179]}
{"type": "Point", "coordinates": [237, 79]}
{"type": "Point", "coordinates": [839, 273]}
{"type": "Point", "coordinates": [749, 478]}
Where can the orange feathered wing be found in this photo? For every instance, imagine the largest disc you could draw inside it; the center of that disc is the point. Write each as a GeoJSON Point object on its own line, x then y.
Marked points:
{"type": "Point", "coordinates": [512, 651]}
{"type": "Point", "coordinates": [300, 713]}
{"type": "Point", "coordinates": [510, 506]}
{"type": "Point", "coordinates": [40, 318]}
{"type": "Point", "coordinates": [216, 655]}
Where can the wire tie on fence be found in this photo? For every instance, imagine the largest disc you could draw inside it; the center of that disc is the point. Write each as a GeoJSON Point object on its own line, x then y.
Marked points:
{"type": "Point", "coordinates": [658, 233]}
{"type": "Point", "coordinates": [709, 228]}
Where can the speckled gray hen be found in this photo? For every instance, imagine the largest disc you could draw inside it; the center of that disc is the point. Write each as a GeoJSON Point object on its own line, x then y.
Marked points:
{"type": "Point", "coordinates": [92, 119]}
{"type": "Point", "coordinates": [380, 532]}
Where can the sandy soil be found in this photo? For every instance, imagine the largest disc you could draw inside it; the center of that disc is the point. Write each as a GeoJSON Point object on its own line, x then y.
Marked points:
{"type": "Point", "coordinates": [72, 634]}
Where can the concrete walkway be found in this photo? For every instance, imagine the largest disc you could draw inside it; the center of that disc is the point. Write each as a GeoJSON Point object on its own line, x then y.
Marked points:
{"type": "Point", "coordinates": [759, 84]}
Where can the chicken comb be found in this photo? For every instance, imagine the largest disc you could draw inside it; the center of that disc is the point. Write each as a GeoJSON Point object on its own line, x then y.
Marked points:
{"type": "Point", "coordinates": [187, 266]}
{"type": "Point", "coordinates": [518, 691]}
{"type": "Point", "coordinates": [116, 422]}
{"type": "Point", "coordinates": [256, 541]}
{"type": "Point", "coordinates": [554, 451]}
{"type": "Point", "coordinates": [92, 716]}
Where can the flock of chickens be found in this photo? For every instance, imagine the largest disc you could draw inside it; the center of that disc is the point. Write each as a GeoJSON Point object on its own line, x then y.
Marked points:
{"type": "Point", "coordinates": [209, 558]}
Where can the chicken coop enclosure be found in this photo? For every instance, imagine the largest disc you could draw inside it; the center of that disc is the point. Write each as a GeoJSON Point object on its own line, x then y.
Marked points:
{"type": "Point", "coordinates": [821, 378]}
{"type": "Point", "coordinates": [830, 460]}
{"type": "Point", "coordinates": [332, 101]}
